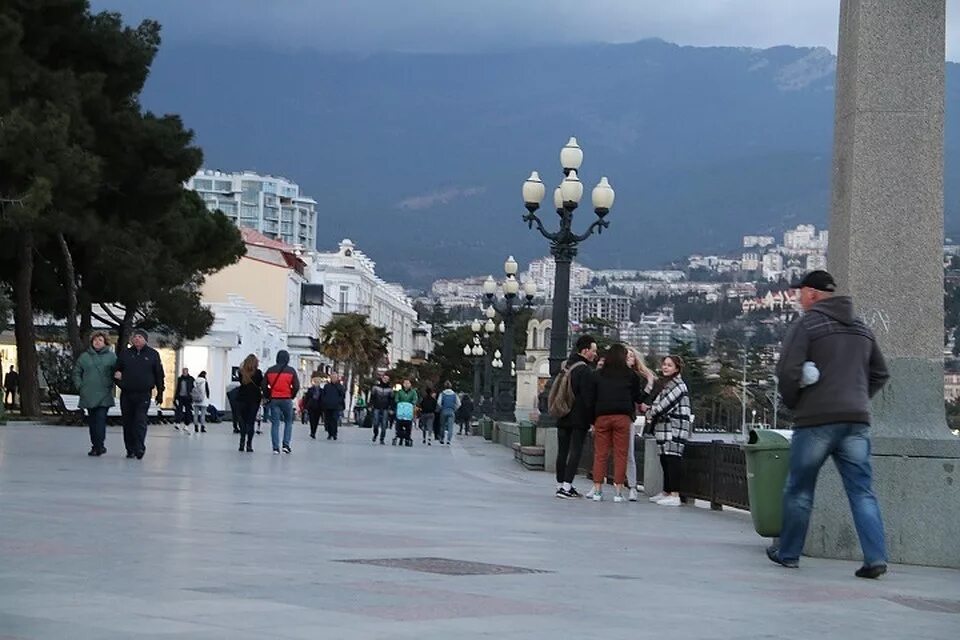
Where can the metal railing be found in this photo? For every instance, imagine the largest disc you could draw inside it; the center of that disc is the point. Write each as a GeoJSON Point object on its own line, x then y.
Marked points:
{"type": "Point", "coordinates": [716, 472]}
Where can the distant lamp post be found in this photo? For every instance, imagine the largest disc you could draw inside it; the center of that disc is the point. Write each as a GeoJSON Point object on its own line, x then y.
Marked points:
{"type": "Point", "coordinates": [564, 242]}
{"type": "Point", "coordinates": [505, 394]}
{"type": "Point", "coordinates": [475, 352]}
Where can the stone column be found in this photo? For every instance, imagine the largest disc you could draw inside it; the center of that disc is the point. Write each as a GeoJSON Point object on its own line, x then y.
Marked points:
{"type": "Point", "coordinates": [886, 237]}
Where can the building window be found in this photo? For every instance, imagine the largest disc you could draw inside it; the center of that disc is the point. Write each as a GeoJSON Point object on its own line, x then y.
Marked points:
{"type": "Point", "coordinates": [202, 185]}
{"type": "Point", "coordinates": [223, 185]}
{"type": "Point", "coordinates": [344, 298]}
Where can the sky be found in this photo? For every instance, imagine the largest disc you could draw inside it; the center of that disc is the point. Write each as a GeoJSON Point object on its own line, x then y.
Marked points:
{"type": "Point", "coordinates": [485, 25]}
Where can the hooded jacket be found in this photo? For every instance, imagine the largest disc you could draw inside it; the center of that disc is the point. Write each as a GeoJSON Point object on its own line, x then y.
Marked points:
{"type": "Point", "coordinates": [448, 401]}
{"type": "Point", "coordinates": [845, 351]}
{"type": "Point", "coordinates": [93, 377]}
{"type": "Point", "coordinates": [280, 382]}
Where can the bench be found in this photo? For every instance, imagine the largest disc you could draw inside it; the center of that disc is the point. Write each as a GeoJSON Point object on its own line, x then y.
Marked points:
{"type": "Point", "coordinates": [531, 458]}
{"type": "Point", "coordinates": [68, 408]}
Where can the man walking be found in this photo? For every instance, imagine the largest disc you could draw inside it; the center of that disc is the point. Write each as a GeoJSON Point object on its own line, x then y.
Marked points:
{"type": "Point", "coordinates": [139, 371]}
{"type": "Point", "coordinates": [333, 400]}
{"type": "Point", "coordinates": [183, 401]}
{"type": "Point", "coordinates": [829, 368]}
{"type": "Point", "coordinates": [11, 382]}
{"type": "Point", "coordinates": [280, 387]}
{"type": "Point", "coordinates": [381, 398]}
{"type": "Point", "coordinates": [572, 428]}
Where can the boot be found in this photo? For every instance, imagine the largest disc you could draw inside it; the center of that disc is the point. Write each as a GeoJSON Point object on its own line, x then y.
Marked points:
{"type": "Point", "coordinates": [196, 429]}
{"type": "Point", "coordinates": [203, 429]}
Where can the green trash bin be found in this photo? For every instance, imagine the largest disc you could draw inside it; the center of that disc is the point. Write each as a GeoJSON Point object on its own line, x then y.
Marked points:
{"type": "Point", "coordinates": [528, 433]}
{"type": "Point", "coordinates": [767, 454]}
{"type": "Point", "coordinates": [487, 429]}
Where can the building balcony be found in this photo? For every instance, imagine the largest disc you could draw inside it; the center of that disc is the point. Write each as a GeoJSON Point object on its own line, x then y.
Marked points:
{"type": "Point", "coordinates": [360, 309]}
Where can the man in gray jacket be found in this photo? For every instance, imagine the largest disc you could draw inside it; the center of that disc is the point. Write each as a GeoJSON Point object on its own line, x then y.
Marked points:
{"type": "Point", "coordinates": [832, 417]}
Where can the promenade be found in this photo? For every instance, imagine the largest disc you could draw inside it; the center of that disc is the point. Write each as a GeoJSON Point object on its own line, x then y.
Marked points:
{"type": "Point", "coordinates": [348, 540]}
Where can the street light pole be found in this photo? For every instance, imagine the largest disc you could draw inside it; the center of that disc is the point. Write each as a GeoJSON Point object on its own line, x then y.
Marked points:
{"type": "Point", "coordinates": [743, 400]}
{"type": "Point", "coordinates": [564, 242]}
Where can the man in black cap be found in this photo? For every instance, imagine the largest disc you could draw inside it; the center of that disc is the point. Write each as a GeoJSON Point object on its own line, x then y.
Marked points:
{"type": "Point", "coordinates": [139, 371]}
{"type": "Point", "coordinates": [832, 417]}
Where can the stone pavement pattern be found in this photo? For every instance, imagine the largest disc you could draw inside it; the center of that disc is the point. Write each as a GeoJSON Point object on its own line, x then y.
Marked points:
{"type": "Point", "coordinates": [199, 541]}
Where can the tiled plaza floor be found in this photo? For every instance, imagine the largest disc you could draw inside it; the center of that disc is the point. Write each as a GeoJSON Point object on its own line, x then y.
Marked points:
{"type": "Point", "coordinates": [199, 541]}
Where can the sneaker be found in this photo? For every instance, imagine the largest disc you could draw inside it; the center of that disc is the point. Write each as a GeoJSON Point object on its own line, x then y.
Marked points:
{"type": "Point", "coordinates": [574, 493]}
{"type": "Point", "coordinates": [872, 573]}
{"type": "Point", "coordinates": [597, 497]}
{"type": "Point", "coordinates": [287, 449]}
{"type": "Point", "coordinates": [618, 498]}
{"type": "Point", "coordinates": [669, 501]}
{"type": "Point", "coordinates": [276, 452]}
{"type": "Point", "coordinates": [429, 443]}
{"type": "Point", "coordinates": [590, 492]}
{"type": "Point", "coordinates": [563, 493]}
{"type": "Point", "coordinates": [774, 554]}
{"type": "Point", "coordinates": [633, 495]}
{"type": "Point", "coordinates": [657, 498]}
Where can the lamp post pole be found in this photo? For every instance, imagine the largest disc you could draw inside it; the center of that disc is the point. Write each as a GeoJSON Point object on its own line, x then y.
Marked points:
{"type": "Point", "coordinates": [476, 353]}
{"type": "Point", "coordinates": [564, 242]}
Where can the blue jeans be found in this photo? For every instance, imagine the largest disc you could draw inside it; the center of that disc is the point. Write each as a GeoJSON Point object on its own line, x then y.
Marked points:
{"type": "Point", "coordinates": [97, 421]}
{"type": "Point", "coordinates": [447, 419]}
{"type": "Point", "coordinates": [849, 446]}
{"type": "Point", "coordinates": [281, 409]}
{"type": "Point", "coordinates": [379, 424]}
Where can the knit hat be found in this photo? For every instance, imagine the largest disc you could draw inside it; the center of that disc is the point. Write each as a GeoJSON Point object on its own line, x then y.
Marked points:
{"type": "Point", "coordinates": [141, 333]}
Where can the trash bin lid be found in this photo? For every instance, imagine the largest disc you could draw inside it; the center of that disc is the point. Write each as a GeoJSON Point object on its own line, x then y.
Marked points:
{"type": "Point", "coordinates": [764, 439]}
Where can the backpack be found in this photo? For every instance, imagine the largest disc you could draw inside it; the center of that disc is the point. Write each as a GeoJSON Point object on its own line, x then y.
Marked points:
{"type": "Point", "coordinates": [199, 393]}
{"type": "Point", "coordinates": [448, 402]}
{"type": "Point", "coordinates": [561, 398]}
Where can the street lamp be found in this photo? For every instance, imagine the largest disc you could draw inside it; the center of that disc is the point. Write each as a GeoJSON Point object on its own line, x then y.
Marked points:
{"type": "Point", "coordinates": [475, 352]}
{"type": "Point", "coordinates": [505, 398]}
{"type": "Point", "coordinates": [564, 242]}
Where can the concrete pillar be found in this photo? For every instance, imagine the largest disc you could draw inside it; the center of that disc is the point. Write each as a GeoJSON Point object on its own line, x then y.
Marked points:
{"type": "Point", "coordinates": [886, 235]}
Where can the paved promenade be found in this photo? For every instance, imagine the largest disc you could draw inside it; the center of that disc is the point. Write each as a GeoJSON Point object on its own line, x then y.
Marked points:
{"type": "Point", "coordinates": [346, 540]}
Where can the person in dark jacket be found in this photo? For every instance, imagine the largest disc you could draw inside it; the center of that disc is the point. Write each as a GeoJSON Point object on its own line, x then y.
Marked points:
{"type": "Point", "coordinates": [93, 378]}
{"type": "Point", "coordinates": [381, 401]}
{"type": "Point", "coordinates": [333, 400]}
{"type": "Point", "coordinates": [247, 399]}
{"type": "Point", "coordinates": [572, 428]}
{"type": "Point", "coordinates": [139, 372]}
{"type": "Point", "coordinates": [428, 416]}
{"type": "Point", "coordinates": [183, 401]}
{"type": "Point", "coordinates": [831, 418]}
{"type": "Point", "coordinates": [280, 386]}
{"type": "Point", "coordinates": [465, 414]}
{"type": "Point", "coordinates": [618, 391]}
{"type": "Point", "coordinates": [311, 405]}
{"type": "Point", "coordinates": [11, 382]}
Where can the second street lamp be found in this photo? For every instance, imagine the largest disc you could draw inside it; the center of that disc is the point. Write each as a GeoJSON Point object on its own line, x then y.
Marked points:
{"type": "Point", "coordinates": [475, 352]}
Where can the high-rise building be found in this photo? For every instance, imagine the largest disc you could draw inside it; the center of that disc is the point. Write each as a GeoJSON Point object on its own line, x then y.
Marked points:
{"type": "Point", "coordinates": [599, 304]}
{"type": "Point", "coordinates": [271, 205]}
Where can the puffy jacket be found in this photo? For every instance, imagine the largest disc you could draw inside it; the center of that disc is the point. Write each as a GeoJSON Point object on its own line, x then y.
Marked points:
{"type": "Point", "coordinates": [93, 377]}
{"type": "Point", "coordinates": [280, 382]}
{"type": "Point", "coordinates": [406, 396]}
{"type": "Point", "coordinates": [381, 396]}
{"type": "Point", "coordinates": [428, 404]}
{"type": "Point", "coordinates": [142, 370]}
{"type": "Point", "coordinates": [617, 393]}
{"type": "Point", "coordinates": [333, 397]}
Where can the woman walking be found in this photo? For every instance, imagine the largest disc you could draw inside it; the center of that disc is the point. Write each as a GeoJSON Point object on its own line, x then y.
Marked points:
{"type": "Point", "coordinates": [618, 392]}
{"type": "Point", "coordinates": [248, 397]}
{"type": "Point", "coordinates": [670, 415]}
{"type": "Point", "coordinates": [406, 399]}
{"type": "Point", "coordinates": [647, 379]}
{"type": "Point", "coordinates": [93, 378]}
{"type": "Point", "coordinates": [200, 397]}
{"type": "Point", "coordinates": [428, 411]}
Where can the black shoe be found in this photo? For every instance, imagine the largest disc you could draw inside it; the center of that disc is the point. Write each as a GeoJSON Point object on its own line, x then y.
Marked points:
{"type": "Point", "coordinates": [130, 454]}
{"type": "Point", "coordinates": [249, 448]}
{"type": "Point", "coordinates": [574, 493]}
{"type": "Point", "coordinates": [103, 450]}
{"type": "Point", "coordinates": [93, 452]}
{"type": "Point", "coordinates": [313, 435]}
{"type": "Point", "coordinates": [236, 430]}
{"type": "Point", "coordinates": [774, 554]}
{"type": "Point", "coordinates": [394, 442]}
{"type": "Point", "coordinates": [287, 449]}
{"type": "Point", "coordinates": [203, 429]}
{"type": "Point", "coordinates": [872, 573]}
{"type": "Point", "coordinates": [241, 448]}
{"type": "Point", "coordinates": [196, 429]}
{"type": "Point", "coordinates": [409, 443]}
{"type": "Point", "coordinates": [382, 442]}
{"type": "Point", "coordinates": [563, 493]}
{"type": "Point", "coordinates": [334, 437]}
{"type": "Point", "coordinates": [140, 455]}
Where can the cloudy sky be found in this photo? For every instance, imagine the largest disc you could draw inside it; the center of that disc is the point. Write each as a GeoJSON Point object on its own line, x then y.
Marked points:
{"type": "Point", "coordinates": [479, 25]}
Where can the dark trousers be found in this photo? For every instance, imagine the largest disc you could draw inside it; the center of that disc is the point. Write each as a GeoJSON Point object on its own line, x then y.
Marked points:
{"type": "Point", "coordinates": [314, 421]}
{"type": "Point", "coordinates": [234, 415]}
{"type": "Point", "coordinates": [379, 424]}
{"type": "Point", "coordinates": [405, 431]}
{"type": "Point", "coordinates": [331, 422]}
{"type": "Point", "coordinates": [437, 427]}
{"type": "Point", "coordinates": [569, 449]}
{"type": "Point", "coordinates": [183, 410]}
{"type": "Point", "coordinates": [133, 408]}
{"type": "Point", "coordinates": [10, 397]}
{"type": "Point", "coordinates": [97, 421]}
{"type": "Point", "coordinates": [247, 418]}
{"type": "Point", "coordinates": [671, 472]}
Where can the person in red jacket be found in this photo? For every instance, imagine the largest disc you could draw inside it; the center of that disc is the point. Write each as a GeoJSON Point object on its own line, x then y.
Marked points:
{"type": "Point", "coordinates": [280, 386]}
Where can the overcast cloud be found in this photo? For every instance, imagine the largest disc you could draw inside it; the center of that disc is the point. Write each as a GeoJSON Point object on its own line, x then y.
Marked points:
{"type": "Point", "coordinates": [481, 25]}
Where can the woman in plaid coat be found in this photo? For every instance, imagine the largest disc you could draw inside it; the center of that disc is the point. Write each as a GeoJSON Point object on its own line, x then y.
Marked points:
{"type": "Point", "coordinates": [670, 415]}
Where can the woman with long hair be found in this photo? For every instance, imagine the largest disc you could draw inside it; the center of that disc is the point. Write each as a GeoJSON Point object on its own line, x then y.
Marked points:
{"type": "Point", "coordinates": [249, 395]}
{"type": "Point", "coordinates": [647, 379]}
{"type": "Point", "coordinates": [670, 415]}
{"type": "Point", "coordinates": [618, 392]}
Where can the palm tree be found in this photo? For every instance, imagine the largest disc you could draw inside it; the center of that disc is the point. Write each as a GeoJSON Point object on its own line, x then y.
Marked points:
{"type": "Point", "coordinates": [350, 340]}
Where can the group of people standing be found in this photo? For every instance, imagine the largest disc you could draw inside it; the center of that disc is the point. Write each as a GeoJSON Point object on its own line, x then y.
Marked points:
{"type": "Point", "coordinates": [614, 394]}
{"type": "Point", "coordinates": [436, 414]}
{"type": "Point", "coordinates": [190, 402]}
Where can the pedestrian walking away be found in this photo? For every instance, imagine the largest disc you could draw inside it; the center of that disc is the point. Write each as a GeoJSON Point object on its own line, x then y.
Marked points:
{"type": "Point", "coordinates": [234, 411]}
{"type": "Point", "coordinates": [311, 405]}
{"type": "Point", "coordinates": [428, 410]}
{"type": "Point", "coordinates": [248, 398]}
{"type": "Point", "coordinates": [183, 401]}
{"type": "Point", "coordinates": [139, 372]}
{"type": "Point", "coordinates": [333, 400]}
{"type": "Point", "coordinates": [381, 399]}
{"type": "Point", "coordinates": [572, 395]}
{"type": "Point", "coordinates": [280, 386]}
{"type": "Point", "coordinates": [200, 398]}
{"type": "Point", "coordinates": [831, 417]}
{"type": "Point", "coordinates": [406, 402]}
{"type": "Point", "coordinates": [93, 378]}
{"type": "Point", "coordinates": [670, 416]}
{"type": "Point", "coordinates": [448, 403]}
{"type": "Point", "coordinates": [465, 414]}
{"type": "Point", "coordinates": [11, 383]}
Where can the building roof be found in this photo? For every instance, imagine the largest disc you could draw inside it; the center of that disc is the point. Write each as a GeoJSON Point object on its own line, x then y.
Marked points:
{"type": "Point", "coordinates": [289, 255]}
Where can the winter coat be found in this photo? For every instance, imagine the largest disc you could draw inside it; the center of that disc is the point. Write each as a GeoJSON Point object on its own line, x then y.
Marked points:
{"type": "Point", "coordinates": [251, 394]}
{"type": "Point", "coordinates": [428, 404]}
{"type": "Point", "coordinates": [93, 377]}
{"type": "Point", "coordinates": [141, 370]}
{"type": "Point", "coordinates": [583, 385]}
{"type": "Point", "coordinates": [333, 397]}
{"type": "Point", "coordinates": [381, 396]}
{"type": "Point", "coordinates": [670, 414]}
{"type": "Point", "coordinates": [281, 381]}
{"type": "Point", "coordinates": [184, 388]}
{"type": "Point", "coordinates": [448, 404]}
{"type": "Point", "coordinates": [618, 394]}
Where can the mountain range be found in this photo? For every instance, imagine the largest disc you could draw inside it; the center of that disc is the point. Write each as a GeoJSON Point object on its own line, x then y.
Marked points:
{"type": "Point", "coordinates": [419, 158]}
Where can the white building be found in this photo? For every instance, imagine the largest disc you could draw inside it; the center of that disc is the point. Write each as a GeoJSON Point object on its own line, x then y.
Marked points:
{"type": "Point", "coordinates": [632, 275]}
{"type": "Point", "coordinates": [272, 205]}
{"type": "Point", "coordinates": [816, 261]}
{"type": "Point", "coordinates": [461, 292]}
{"type": "Point", "coordinates": [759, 242]}
{"type": "Point", "coordinates": [805, 237]}
{"type": "Point", "coordinates": [599, 304]}
{"type": "Point", "coordinates": [772, 266]}
{"type": "Point", "coordinates": [351, 284]}
{"type": "Point", "coordinates": [543, 272]}
{"type": "Point", "coordinates": [657, 333]}
{"type": "Point", "coordinates": [750, 261]}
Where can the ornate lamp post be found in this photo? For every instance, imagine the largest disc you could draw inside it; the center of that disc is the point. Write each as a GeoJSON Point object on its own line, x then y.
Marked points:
{"type": "Point", "coordinates": [505, 396]}
{"type": "Point", "coordinates": [476, 353]}
{"type": "Point", "coordinates": [564, 242]}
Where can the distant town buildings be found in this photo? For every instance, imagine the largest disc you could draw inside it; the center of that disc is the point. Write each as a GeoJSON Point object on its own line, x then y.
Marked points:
{"type": "Point", "coordinates": [271, 205]}
{"type": "Point", "coordinates": [657, 333]}
{"type": "Point", "coordinates": [599, 303]}
{"type": "Point", "coordinates": [543, 272]}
